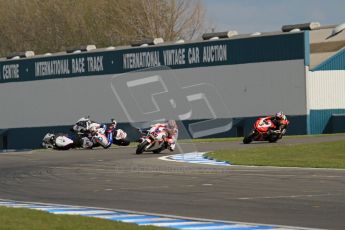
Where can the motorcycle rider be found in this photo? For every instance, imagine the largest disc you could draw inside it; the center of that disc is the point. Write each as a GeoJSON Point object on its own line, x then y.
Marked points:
{"type": "Point", "coordinates": [108, 132]}
{"type": "Point", "coordinates": [84, 126]}
{"type": "Point", "coordinates": [90, 129]}
{"type": "Point", "coordinates": [172, 131]}
{"type": "Point", "coordinates": [116, 136]}
{"type": "Point", "coordinates": [87, 131]}
{"type": "Point", "coordinates": [280, 121]}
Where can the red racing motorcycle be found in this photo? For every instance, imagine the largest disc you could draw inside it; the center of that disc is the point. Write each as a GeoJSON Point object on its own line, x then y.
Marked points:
{"type": "Point", "coordinates": [264, 130]}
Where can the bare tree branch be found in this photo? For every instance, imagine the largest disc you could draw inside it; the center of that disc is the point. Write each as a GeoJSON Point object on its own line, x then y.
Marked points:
{"type": "Point", "coordinates": [55, 25]}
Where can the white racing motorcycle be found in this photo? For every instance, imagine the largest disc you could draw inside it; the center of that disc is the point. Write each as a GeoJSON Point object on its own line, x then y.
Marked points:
{"type": "Point", "coordinates": [57, 141]}
{"type": "Point", "coordinates": [153, 141]}
{"type": "Point", "coordinates": [64, 142]}
{"type": "Point", "coordinates": [97, 133]}
{"type": "Point", "coordinates": [99, 138]}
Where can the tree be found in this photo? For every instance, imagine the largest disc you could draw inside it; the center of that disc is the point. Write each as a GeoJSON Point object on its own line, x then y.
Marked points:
{"type": "Point", "coordinates": [55, 25]}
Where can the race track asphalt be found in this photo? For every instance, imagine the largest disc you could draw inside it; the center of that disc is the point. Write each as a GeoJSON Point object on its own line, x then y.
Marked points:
{"type": "Point", "coordinates": [119, 179]}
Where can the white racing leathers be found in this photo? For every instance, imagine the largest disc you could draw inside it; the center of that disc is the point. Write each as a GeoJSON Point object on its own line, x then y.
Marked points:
{"type": "Point", "coordinates": [86, 131]}
{"type": "Point", "coordinates": [85, 125]}
{"type": "Point", "coordinates": [171, 139]}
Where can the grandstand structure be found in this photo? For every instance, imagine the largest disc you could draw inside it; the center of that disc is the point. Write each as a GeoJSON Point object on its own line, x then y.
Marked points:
{"type": "Point", "coordinates": [216, 86]}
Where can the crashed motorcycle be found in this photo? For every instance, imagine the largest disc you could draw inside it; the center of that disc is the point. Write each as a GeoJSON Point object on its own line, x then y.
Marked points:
{"type": "Point", "coordinates": [97, 133]}
{"type": "Point", "coordinates": [264, 130]}
{"type": "Point", "coordinates": [57, 141]}
{"type": "Point", "coordinates": [100, 139]}
{"type": "Point", "coordinates": [154, 140]}
{"type": "Point", "coordinates": [64, 142]}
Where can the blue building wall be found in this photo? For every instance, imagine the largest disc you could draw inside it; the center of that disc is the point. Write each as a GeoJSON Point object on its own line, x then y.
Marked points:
{"type": "Point", "coordinates": [321, 121]}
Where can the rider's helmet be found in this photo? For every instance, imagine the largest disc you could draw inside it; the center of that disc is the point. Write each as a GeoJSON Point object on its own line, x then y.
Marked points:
{"type": "Point", "coordinates": [172, 124]}
{"type": "Point", "coordinates": [83, 122]}
{"type": "Point", "coordinates": [280, 116]}
{"type": "Point", "coordinates": [113, 122]}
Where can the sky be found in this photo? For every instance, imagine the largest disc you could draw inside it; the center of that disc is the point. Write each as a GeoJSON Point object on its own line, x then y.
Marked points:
{"type": "Point", "coordinates": [247, 16]}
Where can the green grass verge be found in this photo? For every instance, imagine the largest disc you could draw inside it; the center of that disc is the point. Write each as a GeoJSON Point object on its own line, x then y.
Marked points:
{"type": "Point", "coordinates": [233, 139]}
{"type": "Point", "coordinates": [19, 219]}
{"type": "Point", "coordinates": [319, 155]}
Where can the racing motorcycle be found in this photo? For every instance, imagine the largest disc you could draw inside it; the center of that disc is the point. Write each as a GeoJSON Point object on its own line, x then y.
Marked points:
{"type": "Point", "coordinates": [85, 128]}
{"type": "Point", "coordinates": [154, 140]}
{"type": "Point", "coordinates": [264, 130]}
{"type": "Point", "coordinates": [100, 139]}
{"type": "Point", "coordinates": [57, 141]}
{"type": "Point", "coordinates": [64, 142]}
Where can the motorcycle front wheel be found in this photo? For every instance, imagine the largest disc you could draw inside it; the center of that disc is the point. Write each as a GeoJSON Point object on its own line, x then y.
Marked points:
{"type": "Point", "coordinates": [248, 139]}
{"type": "Point", "coordinates": [141, 147]}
